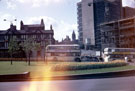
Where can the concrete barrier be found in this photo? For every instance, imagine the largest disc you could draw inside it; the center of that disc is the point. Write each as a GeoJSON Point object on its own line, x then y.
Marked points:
{"type": "Point", "coordinates": [15, 77]}
{"type": "Point", "coordinates": [26, 76]}
{"type": "Point", "coordinates": [89, 76]}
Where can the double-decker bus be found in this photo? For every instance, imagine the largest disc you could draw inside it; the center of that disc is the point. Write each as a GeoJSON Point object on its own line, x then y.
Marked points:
{"type": "Point", "coordinates": [119, 53]}
{"type": "Point", "coordinates": [65, 53]}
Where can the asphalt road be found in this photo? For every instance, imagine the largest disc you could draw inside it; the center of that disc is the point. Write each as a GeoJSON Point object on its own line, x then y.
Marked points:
{"type": "Point", "coordinates": [107, 84]}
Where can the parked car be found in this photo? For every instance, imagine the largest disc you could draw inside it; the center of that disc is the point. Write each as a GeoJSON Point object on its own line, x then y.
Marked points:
{"type": "Point", "coordinates": [77, 59]}
{"type": "Point", "coordinates": [100, 59]}
{"type": "Point", "coordinates": [89, 59]}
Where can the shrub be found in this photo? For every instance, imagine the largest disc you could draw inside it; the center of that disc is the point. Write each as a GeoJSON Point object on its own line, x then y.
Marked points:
{"type": "Point", "coordinates": [73, 66]}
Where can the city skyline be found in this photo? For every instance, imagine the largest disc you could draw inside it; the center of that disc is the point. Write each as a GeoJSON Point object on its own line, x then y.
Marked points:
{"type": "Point", "coordinates": [62, 14]}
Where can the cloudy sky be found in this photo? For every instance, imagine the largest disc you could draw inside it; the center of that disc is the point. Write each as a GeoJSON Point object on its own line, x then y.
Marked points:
{"type": "Point", "coordinates": [60, 13]}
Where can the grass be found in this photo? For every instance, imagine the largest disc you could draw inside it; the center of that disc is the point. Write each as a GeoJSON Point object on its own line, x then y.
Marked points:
{"type": "Point", "coordinates": [36, 68]}
{"type": "Point", "coordinates": [39, 69]}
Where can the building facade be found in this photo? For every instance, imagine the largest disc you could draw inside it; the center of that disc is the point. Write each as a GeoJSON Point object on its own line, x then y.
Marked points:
{"type": "Point", "coordinates": [118, 34]}
{"type": "Point", "coordinates": [91, 13]}
{"type": "Point", "coordinates": [128, 12]}
{"type": "Point", "coordinates": [86, 22]}
{"type": "Point", "coordinates": [35, 31]}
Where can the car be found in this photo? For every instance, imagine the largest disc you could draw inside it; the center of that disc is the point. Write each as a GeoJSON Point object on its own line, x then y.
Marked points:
{"type": "Point", "coordinates": [89, 59]}
{"type": "Point", "coordinates": [77, 59]}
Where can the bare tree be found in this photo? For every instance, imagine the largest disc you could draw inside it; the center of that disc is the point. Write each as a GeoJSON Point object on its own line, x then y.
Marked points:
{"type": "Point", "coordinates": [13, 47]}
{"type": "Point", "coordinates": [28, 46]}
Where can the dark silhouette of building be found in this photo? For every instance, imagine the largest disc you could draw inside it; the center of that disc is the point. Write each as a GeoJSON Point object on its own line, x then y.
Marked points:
{"type": "Point", "coordinates": [36, 31]}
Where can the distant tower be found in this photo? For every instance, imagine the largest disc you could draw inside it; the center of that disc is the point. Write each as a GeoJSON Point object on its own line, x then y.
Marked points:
{"type": "Point", "coordinates": [21, 25]}
{"type": "Point", "coordinates": [42, 23]}
{"type": "Point", "coordinates": [51, 28]}
{"type": "Point", "coordinates": [73, 36]}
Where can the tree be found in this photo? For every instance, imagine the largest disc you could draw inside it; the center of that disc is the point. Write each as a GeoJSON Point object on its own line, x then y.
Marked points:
{"type": "Point", "coordinates": [37, 47]}
{"type": "Point", "coordinates": [47, 43]}
{"type": "Point", "coordinates": [13, 47]}
{"type": "Point", "coordinates": [28, 46]}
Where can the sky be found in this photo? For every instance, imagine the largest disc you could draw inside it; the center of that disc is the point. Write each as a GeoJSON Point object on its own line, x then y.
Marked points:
{"type": "Point", "coordinates": [62, 14]}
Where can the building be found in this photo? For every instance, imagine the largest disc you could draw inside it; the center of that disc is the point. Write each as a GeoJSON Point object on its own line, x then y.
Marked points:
{"type": "Point", "coordinates": [73, 36]}
{"type": "Point", "coordinates": [128, 12]}
{"type": "Point", "coordinates": [67, 40]}
{"type": "Point", "coordinates": [91, 13]}
{"type": "Point", "coordinates": [118, 34]}
{"type": "Point", "coordinates": [85, 22]}
{"type": "Point", "coordinates": [35, 31]}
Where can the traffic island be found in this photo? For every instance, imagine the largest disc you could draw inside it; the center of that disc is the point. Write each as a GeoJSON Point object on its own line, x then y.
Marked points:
{"type": "Point", "coordinates": [125, 73]}
{"type": "Point", "coordinates": [26, 76]}
{"type": "Point", "coordinates": [15, 77]}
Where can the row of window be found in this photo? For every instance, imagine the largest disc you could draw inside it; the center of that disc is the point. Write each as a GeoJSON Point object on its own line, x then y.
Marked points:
{"type": "Point", "coordinates": [63, 47]}
{"type": "Point", "coordinates": [63, 54]}
{"type": "Point", "coordinates": [110, 40]}
{"type": "Point", "coordinates": [5, 44]}
{"type": "Point", "coordinates": [122, 50]}
{"type": "Point", "coordinates": [109, 33]}
{"type": "Point", "coordinates": [122, 56]}
{"type": "Point", "coordinates": [127, 23]}
{"type": "Point", "coordinates": [42, 36]}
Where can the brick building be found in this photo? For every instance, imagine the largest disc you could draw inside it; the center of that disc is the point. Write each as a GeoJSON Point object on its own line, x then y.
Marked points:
{"type": "Point", "coordinates": [35, 31]}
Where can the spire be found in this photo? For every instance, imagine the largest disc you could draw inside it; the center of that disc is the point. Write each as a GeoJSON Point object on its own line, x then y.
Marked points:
{"type": "Point", "coordinates": [42, 22]}
{"type": "Point", "coordinates": [21, 25]}
{"type": "Point", "coordinates": [21, 22]}
{"type": "Point", "coordinates": [51, 28]}
{"type": "Point", "coordinates": [73, 36]}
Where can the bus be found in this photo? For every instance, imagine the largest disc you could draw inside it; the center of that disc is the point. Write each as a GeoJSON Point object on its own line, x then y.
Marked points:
{"type": "Point", "coordinates": [65, 53]}
{"type": "Point", "coordinates": [111, 54]}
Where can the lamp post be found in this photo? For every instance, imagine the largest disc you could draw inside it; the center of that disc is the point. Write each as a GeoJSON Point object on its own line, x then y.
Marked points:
{"type": "Point", "coordinates": [11, 23]}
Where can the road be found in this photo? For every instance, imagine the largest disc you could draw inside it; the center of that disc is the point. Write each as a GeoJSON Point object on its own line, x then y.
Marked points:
{"type": "Point", "coordinates": [107, 84]}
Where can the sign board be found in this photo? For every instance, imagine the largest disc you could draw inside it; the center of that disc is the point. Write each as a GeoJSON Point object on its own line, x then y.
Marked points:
{"type": "Point", "coordinates": [97, 53]}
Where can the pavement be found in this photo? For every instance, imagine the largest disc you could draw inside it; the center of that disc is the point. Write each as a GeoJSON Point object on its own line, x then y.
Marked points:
{"type": "Point", "coordinates": [107, 84]}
